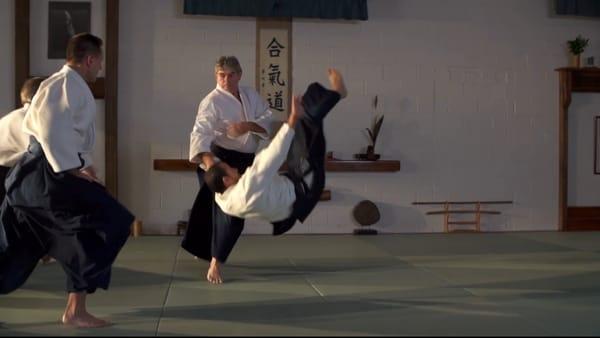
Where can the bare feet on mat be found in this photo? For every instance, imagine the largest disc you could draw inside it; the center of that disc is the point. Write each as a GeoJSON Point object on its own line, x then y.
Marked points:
{"type": "Point", "coordinates": [214, 274]}
{"type": "Point", "coordinates": [83, 320]}
{"type": "Point", "coordinates": [337, 82]}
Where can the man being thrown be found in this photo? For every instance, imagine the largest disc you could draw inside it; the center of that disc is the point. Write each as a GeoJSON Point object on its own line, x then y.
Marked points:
{"type": "Point", "coordinates": [261, 191]}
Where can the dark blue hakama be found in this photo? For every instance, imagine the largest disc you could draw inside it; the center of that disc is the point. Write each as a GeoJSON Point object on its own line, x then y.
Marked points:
{"type": "Point", "coordinates": [317, 102]}
{"type": "Point", "coordinates": [69, 218]}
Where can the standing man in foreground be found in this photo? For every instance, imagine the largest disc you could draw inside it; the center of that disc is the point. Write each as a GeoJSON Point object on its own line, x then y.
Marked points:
{"type": "Point", "coordinates": [230, 121]}
{"type": "Point", "coordinates": [54, 202]}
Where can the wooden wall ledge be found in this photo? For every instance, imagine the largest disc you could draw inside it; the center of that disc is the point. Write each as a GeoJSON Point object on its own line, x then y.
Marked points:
{"type": "Point", "coordinates": [185, 165]}
{"type": "Point", "coordinates": [174, 165]}
{"type": "Point", "coordinates": [364, 166]}
{"type": "Point", "coordinates": [332, 165]}
{"type": "Point", "coordinates": [584, 79]}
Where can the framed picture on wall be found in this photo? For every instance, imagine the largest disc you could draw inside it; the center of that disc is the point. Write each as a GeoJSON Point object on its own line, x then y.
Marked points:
{"type": "Point", "coordinates": [66, 19]}
{"type": "Point", "coordinates": [597, 145]}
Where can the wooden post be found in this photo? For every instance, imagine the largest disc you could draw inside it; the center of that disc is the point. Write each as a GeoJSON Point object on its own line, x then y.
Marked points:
{"type": "Point", "coordinates": [111, 88]}
{"type": "Point", "coordinates": [22, 9]}
{"type": "Point", "coordinates": [446, 216]}
{"type": "Point", "coordinates": [478, 218]}
{"type": "Point", "coordinates": [563, 140]}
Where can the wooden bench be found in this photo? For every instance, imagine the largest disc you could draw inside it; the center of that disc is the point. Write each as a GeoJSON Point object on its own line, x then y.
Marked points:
{"type": "Point", "coordinates": [477, 211]}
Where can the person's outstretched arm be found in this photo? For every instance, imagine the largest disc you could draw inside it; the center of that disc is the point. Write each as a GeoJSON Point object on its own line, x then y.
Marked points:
{"type": "Point", "coordinates": [269, 160]}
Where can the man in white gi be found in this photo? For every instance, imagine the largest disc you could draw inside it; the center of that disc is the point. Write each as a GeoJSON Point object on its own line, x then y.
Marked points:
{"type": "Point", "coordinates": [13, 141]}
{"type": "Point", "coordinates": [54, 202]}
{"type": "Point", "coordinates": [261, 191]}
{"type": "Point", "coordinates": [231, 120]}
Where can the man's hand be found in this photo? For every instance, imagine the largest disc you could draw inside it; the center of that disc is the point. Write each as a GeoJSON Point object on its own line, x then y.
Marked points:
{"type": "Point", "coordinates": [88, 174]}
{"type": "Point", "coordinates": [237, 129]}
{"type": "Point", "coordinates": [208, 159]}
{"type": "Point", "coordinates": [240, 128]}
{"type": "Point", "coordinates": [90, 171]}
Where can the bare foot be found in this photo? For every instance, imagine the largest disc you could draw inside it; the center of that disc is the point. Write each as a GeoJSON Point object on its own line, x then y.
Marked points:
{"type": "Point", "coordinates": [214, 274]}
{"type": "Point", "coordinates": [47, 259]}
{"type": "Point", "coordinates": [337, 82]}
{"type": "Point", "coordinates": [84, 320]}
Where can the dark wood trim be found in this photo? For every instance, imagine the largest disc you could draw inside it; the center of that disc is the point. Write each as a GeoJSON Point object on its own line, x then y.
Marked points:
{"type": "Point", "coordinates": [596, 168]}
{"type": "Point", "coordinates": [111, 88]}
{"type": "Point", "coordinates": [98, 89]}
{"type": "Point", "coordinates": [22, 12]}
{"type": "Point", "coordinates": [174, 165]}
{"type": "Point", "coordinates": [583, 218]}
{"type": "Point", "coordinates": [331, 165]}
{"type": "Point", "coordinates": [366, 166]}
{"type": "Point", "coordinates": [570, 80]}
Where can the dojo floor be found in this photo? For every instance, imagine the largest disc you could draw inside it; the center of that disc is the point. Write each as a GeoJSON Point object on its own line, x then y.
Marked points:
{"type": "Point", "coordinates": [535, 283]}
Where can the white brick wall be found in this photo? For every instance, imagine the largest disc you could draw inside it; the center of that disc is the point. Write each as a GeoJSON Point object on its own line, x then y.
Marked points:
{"type": "Point", "coordinates": [467, 87]}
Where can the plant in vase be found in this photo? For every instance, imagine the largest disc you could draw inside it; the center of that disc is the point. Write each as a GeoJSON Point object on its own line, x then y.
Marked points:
{"type": "Point", "coordinates": [576, 47]}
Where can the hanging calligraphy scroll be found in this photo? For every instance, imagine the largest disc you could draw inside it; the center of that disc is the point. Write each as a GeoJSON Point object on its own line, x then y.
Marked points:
{"type": "Point", "coordinates": [274, 56]}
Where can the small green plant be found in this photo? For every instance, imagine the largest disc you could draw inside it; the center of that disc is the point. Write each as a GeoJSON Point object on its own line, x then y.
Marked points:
{"type": "Point", "coordinates": [376, 124]}
{"type": "Point", "coordinates": [578, 45]}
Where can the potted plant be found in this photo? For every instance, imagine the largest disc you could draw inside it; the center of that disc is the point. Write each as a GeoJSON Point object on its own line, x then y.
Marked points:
{"type": "Point", "coordinates": [373, 132]}
{"type": "Point", "coordinates": [576, 47]}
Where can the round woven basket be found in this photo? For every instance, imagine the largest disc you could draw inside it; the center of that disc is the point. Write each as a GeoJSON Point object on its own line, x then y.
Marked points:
{"type": "Point", "coordinates": [366, 213]}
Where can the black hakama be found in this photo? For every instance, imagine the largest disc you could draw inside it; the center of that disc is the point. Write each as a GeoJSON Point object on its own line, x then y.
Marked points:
{"type": "Point", "coordinates": [211, 232]}
{"type": "Point", "coordinates": [75, 221]}
{"type": "Point", "coordinates": [317, 101]}
{"type": "Point", "coordinates": [3, 173]}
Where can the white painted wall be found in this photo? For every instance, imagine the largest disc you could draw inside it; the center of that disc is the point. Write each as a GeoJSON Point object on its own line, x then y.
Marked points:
{"type": "Point", "coordinates": [468, 89]}
{"type": "Point", "coordinates": [584, 186]}
{"type": "Point", "coordinates": [7, 57]}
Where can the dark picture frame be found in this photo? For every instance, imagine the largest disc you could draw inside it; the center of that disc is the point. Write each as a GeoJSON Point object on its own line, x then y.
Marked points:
{"type": "Point", "coordinates": [66, 19]}
{"type": "Point", "coordinates": [597, 145]}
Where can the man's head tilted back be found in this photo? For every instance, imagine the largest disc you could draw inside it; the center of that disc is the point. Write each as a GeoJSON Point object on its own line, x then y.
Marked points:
{"type": "Point", "coordinates": [220, 177]}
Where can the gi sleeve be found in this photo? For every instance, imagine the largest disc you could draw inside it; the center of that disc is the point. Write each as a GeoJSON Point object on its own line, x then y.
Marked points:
{"type": "Point", "coordinates": [263, 118]}
{"type": "Point", "coordinates": [267, 163]}
{"type": "Point", "coordinates": [203, 132]}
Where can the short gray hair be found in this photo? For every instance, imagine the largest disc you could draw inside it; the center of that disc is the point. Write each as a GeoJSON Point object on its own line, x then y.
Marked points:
{"type": "Point", "coordinates": [230, 62]}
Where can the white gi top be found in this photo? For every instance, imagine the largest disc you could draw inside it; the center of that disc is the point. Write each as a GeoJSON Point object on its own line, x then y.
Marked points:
{"type": "Point", "coordinates": [220, 108]}
{"type": "Point", "coordinates": [261, 191]}
{"type": "Point", "coordinates": [61, 118]}
{"type": "Point", "coordinates": [13, 141]}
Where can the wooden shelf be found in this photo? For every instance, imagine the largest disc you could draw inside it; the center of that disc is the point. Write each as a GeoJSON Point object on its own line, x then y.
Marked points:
{"type": "Point", "coordinates": [174, 165]}
{"type": "Point", "coordinates": [185, 165]}
{"type": "Point", "coordinates": [585, 79]}
{"type": "Point", "coordinates": [362, 166]}
{"type": "Point", "coordinates": [332, 165]}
